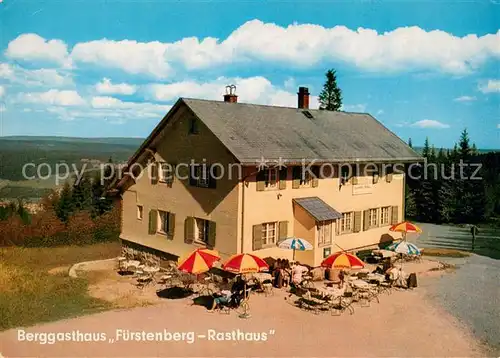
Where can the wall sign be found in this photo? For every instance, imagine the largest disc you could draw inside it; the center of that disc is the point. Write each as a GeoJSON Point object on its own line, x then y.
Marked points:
{"type": "Point", "coordinates": [361, 189]}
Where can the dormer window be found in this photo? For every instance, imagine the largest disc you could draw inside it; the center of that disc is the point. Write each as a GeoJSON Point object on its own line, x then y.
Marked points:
{"type": "Point", "coordinates": [193, 126]}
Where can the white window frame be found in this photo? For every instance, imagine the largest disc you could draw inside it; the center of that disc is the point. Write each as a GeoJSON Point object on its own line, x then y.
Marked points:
{"type": "Point", "coordinates": [162, 222]}
{"type": "Point", "coordinates": [373, 217]}
{"type": "Point", "coordinates": [269, 233]}
{"type": "Point", "coordinates": [201, 230]}
{"type": "Point", "coordinates": [387, 211]}
{"type": "Point", "coordinates": [347, 222]}
{"type": "Point", "coordinates": [271, 178]}
{"type": "Point", "coordinates": [325, 233]}
{"type": "Point", "coordinates": [140, 212]}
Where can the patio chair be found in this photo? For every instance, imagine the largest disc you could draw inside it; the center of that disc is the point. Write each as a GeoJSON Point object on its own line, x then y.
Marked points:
{"type": "Point", "coordinates": [236, 302]}
{"type": "Point", "coordinates": [316, 304]}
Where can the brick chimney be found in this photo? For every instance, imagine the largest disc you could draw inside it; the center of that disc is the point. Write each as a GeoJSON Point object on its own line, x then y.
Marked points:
{"type": "Point", "coordinates": [230, 95]}
{"type": "Point", "coordinates": [303, 98]}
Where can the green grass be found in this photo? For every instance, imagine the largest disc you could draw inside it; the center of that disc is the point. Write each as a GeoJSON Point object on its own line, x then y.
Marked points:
{"type": "Point", "coordinates": [444, 253]}
{"type": "Point", "coordinates": [29, 294]}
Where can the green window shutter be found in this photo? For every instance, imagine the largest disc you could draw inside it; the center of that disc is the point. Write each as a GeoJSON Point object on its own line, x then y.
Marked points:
{"type": "Point", "coordinates": [257, 237]}
{"type": "Point", "coordinates": [153, 222]}
{"type": "Point", "coordinates": [366, 219]}
{"type": "Point", "coordinates": [283, 176]}
{"type": "Point", "coordinates": [261, 183]}
{"type": "Point", "coordinates": [394, 215]}
{"type": "Point", "coordinates": [189, 230]}
{"type": "Point", "coordinates": [357, 221]}
{"type": "Point", "coordinates": [211, 234]}
{"type": "Point", "coordinates": [154, 173]}
{"type": "Point", "coordinates": [315, 178]}
{"type": "Point", "coordinates": [171, 224]}
{"type": "Point", "coordinates": [283, 229]}
{"type": "Point", "coordinates": [296, 174]}
{"type": "Point", "coordinates": [170, 179]}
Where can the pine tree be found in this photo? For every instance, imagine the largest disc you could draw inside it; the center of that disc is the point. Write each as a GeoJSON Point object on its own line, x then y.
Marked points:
{"type": "Point", "coordinates": [330, 98]}
{"type": "Point", "coordinates": [464, 149]}
{"type": "Point", "coordinates": [65, 205]}
{"type": "Point", "coordinates": [426, 150]}
{"type": "Point", "coordinates": [410, 143]}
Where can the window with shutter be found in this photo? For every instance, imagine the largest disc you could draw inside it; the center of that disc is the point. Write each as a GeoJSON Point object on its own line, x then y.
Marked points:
{"type": "Point", "coordinates": [283, 176]}
{"type": "Point", "coordinates": [189, 230]}
{"type": "Point", "coordinates": [154, 173]}
{"type": "Point", "coordinates": [153, 216]}
{"type": "Point", "coordinates": [261, 180]}
{"type": "Point", "coordinates": [211, 234]}
{"type": "Point", "coordinates": [257, 237]}
{"type": "Point", "coordinates": [269, 234]}
{"type": "Point", "coordinates": [357, 221]}
{"type": "Point", "coordinates": [366, 220]}
{"type": "Point", "coordinates": [283, 227]}
{"type": "Point", "coordinates": [171, 225]}
{"type": "Point", "coordinates": [389, 173]}
{"type": "Point", "coordinates": [213, 174]}
{"type": "Point", "coordinates": [394, 215]}
{"type": "Point", "coordinates": [296, 173]}
{"type": "Point", "coordinates": [315, 178]}
{"type": "Point", "coordinates": [163, 224]}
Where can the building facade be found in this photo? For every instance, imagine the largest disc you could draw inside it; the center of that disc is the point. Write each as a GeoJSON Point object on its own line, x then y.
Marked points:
{"type": "Point", "coordinates": [235, 177]}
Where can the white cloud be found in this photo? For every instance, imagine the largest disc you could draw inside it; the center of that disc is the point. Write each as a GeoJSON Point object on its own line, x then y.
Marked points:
{"type": "Point", "coordinates": [303, 45]}
{"type": "Point", "coordinates": [130, 56]}
{"type": "Point", "coordinates": [465, 99]}
{"type": "Point", "coordinates": [52, 97]}
{"type": "Point", "coordinates": [32, 47]}
{"type": "Point", "coordinates": [32, 78]}
{"type": "Point", "coordinates": [430, 123]}
{"type": "Point", "coordinates": [379, 112]}
{"type": "Point", "coordinates": [2, 91]}
{"type": "Point", "coordinates": [112, 110]}
{"type": "Point", "coordinates": [498, 125]}
{"type": "Point", "coordinates": [360, 108]}
{"type": "Point", "coordinates": [106, 87]}
{"type": "Point", "coordinates": [257, 90]}
{"type": "Point", "coordinates": [491, 86]}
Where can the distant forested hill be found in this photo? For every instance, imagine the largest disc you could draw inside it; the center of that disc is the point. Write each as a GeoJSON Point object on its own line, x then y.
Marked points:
{"type": "Point", "coordinates": [15, 152]}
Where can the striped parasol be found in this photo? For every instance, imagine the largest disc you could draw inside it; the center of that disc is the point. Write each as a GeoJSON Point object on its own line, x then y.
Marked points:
{"type": "Point", "coordinates": [343, 260]}
{"type": "Point", "coordinates": [295, 243]}
{"type": "Point", "coordinates": [405, 227]}
{"type": "Point", "coordinates": [404, 247]}
{"type": "Point", "coordinates": [198, 261]}
{"type": "Point", "coordinates": [245, 263]}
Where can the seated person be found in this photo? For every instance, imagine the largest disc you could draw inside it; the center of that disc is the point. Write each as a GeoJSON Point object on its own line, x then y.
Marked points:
{"type": "Point", "coordinates": [237, 288]}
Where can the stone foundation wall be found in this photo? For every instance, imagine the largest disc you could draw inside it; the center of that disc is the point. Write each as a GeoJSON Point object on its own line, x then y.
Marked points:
{"type": "Point", "coordinates": [133, 251]}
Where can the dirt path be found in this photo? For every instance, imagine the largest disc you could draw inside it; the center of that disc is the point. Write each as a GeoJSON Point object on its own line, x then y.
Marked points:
{"type": "Point", "coordinates": [402, 324]}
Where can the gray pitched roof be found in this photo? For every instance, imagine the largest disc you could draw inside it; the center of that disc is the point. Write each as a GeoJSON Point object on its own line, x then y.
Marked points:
{"type": "Point", "coordinates": [318, 209]}
{"type": "Point", "coordinates": [252, 132]}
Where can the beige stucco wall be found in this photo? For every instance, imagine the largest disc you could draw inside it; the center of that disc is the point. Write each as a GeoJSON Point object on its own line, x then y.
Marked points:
{"type": "Point", "coordinates": [236, 206]}
{"type": "Point", "coordinates": [276, 205]}
{"type": "Point", "coordinates": [219, 205]}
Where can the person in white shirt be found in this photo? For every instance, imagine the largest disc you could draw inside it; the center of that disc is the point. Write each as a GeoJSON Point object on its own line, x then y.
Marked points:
{"type": "Point", "coordinates": [297, 272]}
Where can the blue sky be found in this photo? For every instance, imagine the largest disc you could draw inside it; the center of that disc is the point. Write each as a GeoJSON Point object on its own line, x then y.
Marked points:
{"type": "Point", "coordinates": [114, 68]}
